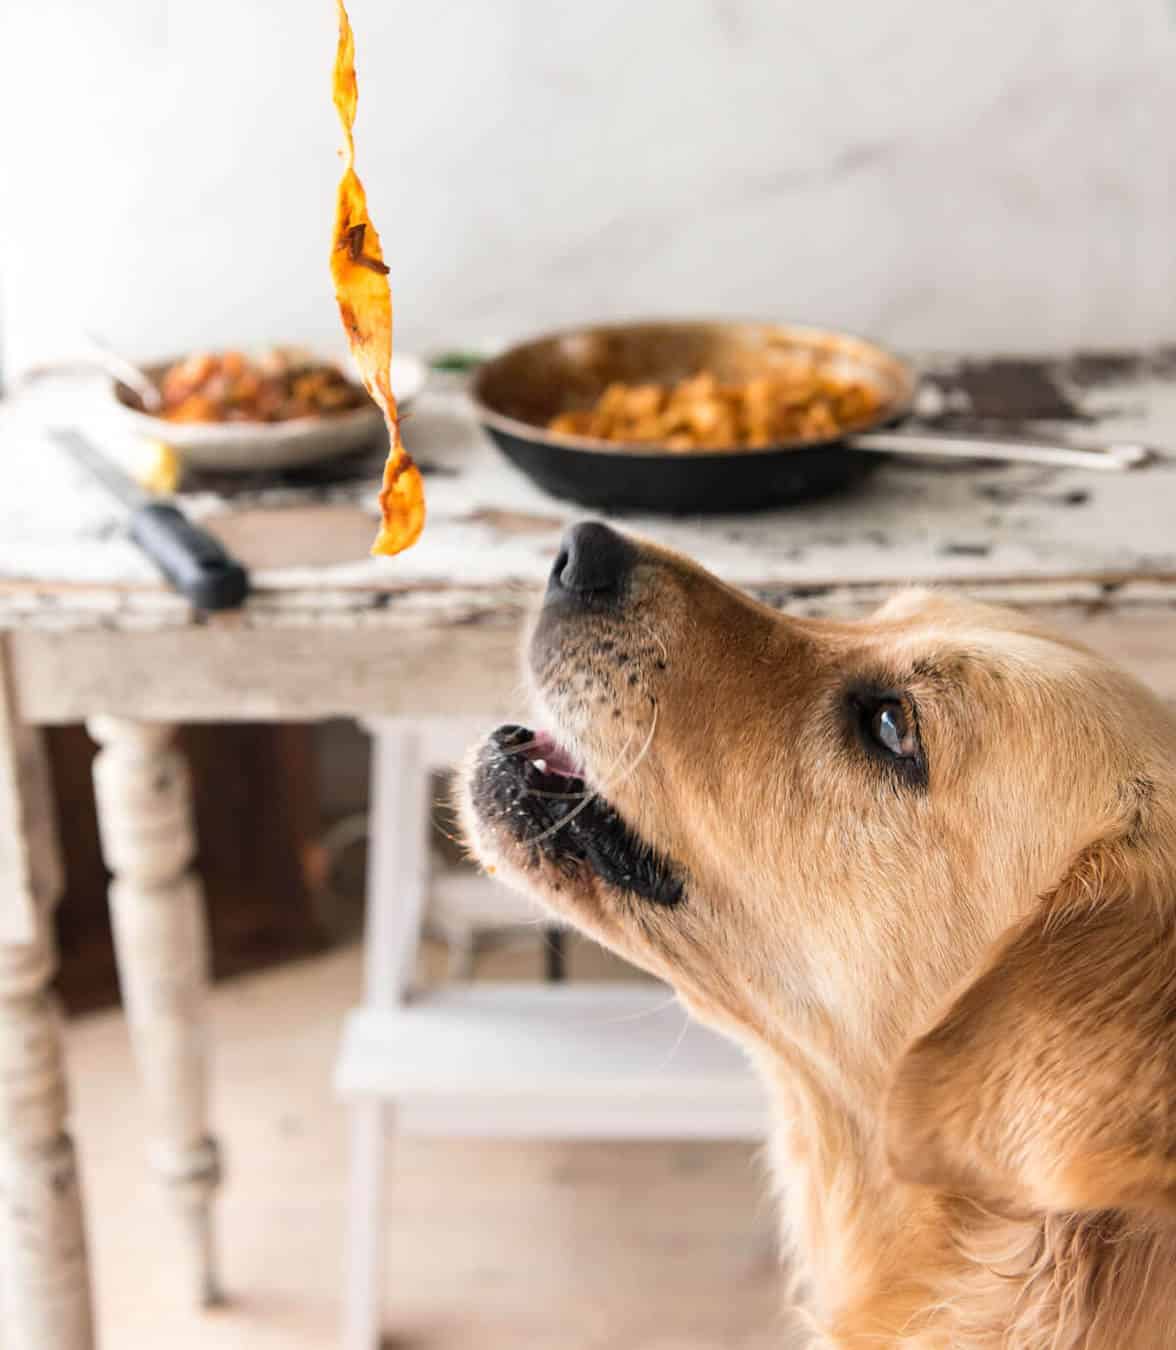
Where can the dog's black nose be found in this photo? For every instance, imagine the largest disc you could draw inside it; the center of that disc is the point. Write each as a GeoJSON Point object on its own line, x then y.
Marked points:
{"type": "Point", "coordinates": [593, 560]}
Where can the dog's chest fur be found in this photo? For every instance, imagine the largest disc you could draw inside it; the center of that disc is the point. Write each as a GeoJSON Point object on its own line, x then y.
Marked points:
{"type": "Point", "coordinates": [880, 1264]}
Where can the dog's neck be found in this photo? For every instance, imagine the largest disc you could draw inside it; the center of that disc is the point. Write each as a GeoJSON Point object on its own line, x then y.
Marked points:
{"type": "Point", "coordinates": [851, 1232]}
{"type": "Point", "coordinates": [878, 1263]}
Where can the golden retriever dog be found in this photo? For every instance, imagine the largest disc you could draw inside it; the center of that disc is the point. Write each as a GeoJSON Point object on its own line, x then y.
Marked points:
{"type": "Point", "coordinates": [921, 867]}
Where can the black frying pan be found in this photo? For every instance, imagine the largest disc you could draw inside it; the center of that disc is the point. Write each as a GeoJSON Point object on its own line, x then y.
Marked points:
{"type": "Point", "coordinates": [517, 393]}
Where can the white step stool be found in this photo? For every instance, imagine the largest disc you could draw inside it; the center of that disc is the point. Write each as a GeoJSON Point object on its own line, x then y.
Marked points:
{"type": "Point", "coordinates": [599, 1061]}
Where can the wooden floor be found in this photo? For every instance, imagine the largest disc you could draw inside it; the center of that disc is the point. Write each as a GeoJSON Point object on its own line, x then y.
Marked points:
{"type": "Point", "coordinates": [492, 1245]}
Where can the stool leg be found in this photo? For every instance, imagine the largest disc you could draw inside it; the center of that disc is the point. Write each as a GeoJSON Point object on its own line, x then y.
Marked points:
{"type": "Point", "coordinates": [463, 951]}
{"type": "Point", "coordinates": [365, 1226]}
{"type": "Point", "coordinates": [555, 955]}
{"type": "Point", "coordinates": [397, 882]}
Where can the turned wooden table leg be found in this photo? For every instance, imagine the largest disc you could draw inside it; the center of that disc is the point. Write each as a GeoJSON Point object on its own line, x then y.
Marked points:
{"type": "Point", "coordinates": [43, 1265]}
{"type": "Point", "coordinates": [157, 905]}
{"type": "Point", "coordinates": [44, 1275]}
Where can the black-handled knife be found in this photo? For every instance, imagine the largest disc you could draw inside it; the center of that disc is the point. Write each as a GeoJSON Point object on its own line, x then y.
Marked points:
{"type": "Point", "coordinates": [189, 557]}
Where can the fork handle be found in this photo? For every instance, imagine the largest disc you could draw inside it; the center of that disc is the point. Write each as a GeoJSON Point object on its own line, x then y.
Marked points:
{"type": "Point", "coordinates": [1108, 458]}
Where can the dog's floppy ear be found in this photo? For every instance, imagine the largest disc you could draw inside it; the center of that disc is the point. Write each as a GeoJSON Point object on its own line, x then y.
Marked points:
{"type": "Point", "coordinates": [1050, 1084]}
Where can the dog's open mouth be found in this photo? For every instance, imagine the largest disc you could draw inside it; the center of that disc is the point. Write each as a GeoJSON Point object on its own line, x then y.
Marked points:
{"type": "Point", "coordinates": [527, 786]}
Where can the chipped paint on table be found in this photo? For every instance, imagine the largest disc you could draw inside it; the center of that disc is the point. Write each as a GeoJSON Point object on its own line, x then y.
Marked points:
{"type": "Point", "coordinates": [1017, 532]}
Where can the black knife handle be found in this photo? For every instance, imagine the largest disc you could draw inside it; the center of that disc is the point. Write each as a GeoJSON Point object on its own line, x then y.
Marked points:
{"type": "Point", "coordinates": [192, 560]}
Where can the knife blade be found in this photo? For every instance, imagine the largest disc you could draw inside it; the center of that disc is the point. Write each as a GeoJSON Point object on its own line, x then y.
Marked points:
{"type": "Point", "coordinates": [190, 558]}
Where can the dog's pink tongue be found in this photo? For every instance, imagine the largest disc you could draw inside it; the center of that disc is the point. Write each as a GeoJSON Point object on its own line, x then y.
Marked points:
{"type": "Point", "coordinates": [555, 756]}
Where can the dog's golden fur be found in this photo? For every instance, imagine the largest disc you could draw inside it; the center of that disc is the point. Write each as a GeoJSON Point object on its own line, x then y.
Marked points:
{"type": "Point", "coordinates": [962, 994]}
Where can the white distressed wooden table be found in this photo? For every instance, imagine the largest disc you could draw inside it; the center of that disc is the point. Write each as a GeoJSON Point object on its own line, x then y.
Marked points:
{"type": "Point", "coordinates": [87, 633]}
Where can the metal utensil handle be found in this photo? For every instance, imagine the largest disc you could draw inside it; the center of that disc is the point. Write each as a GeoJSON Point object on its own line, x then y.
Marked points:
{"type": "Point", "coordinates": [117, 366]}
{"type": "Point", "coordinates": [1108, 458]}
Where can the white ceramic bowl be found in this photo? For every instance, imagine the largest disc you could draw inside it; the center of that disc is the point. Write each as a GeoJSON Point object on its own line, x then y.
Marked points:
{"type": "Point", "coordinates": [248, 446]}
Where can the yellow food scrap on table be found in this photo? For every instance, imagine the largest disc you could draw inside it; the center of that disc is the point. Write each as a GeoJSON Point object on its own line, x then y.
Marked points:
{"type": "Point", "coordinates": [365, 306]}
{"type": "Point", "coordinates": [160, 470]}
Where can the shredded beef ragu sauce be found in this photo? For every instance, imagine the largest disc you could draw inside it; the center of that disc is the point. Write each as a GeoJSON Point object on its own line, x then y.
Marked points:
{"type": "Point", "coordinates": [360, 276]}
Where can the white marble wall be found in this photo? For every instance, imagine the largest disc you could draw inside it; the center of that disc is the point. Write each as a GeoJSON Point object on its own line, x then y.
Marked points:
{"type": "Point", "coordinates": [940, 172]}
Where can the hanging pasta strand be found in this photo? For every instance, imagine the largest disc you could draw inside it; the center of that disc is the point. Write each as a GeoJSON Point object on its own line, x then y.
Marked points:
{"type": "Point", "coordinates": [360, 277]}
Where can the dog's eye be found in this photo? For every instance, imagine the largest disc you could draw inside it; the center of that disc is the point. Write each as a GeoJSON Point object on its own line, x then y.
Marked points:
{"type": "Point", "coordinates": [885, 724]}
{"type": "Point", "coordinates": [890, 727]}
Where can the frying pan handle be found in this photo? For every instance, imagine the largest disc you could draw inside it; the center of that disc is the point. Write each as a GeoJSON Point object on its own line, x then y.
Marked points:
{"type": "Point", "coordinates": [1107, 458]}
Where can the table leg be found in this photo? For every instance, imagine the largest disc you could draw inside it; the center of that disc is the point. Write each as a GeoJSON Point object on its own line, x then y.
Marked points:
{"type": "Point", "coordinates": [43, 1264]}
{"type": "Point", "coordinates": [44, 1273]}
{"type": "Point", "coordinates": [157, 904]}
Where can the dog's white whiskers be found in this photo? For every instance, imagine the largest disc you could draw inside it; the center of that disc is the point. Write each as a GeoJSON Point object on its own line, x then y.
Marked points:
{"type": "Point", "coordinates": [638, 1016]}
{"type": "Point", "coordinates": [523, 748]}
{"type": "Point", "coordinates": [669, 1059]}
{"type": "Point", "coordinates": [588, 798]}
{"type": "Point", "coordinates": [620, 778]}
{"type": "Point", "coordinates": [559, 824]}
{"type": "Point", "coordinates": [640, 623]}
{"type": "Point", "coordinates": [608, 781]}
